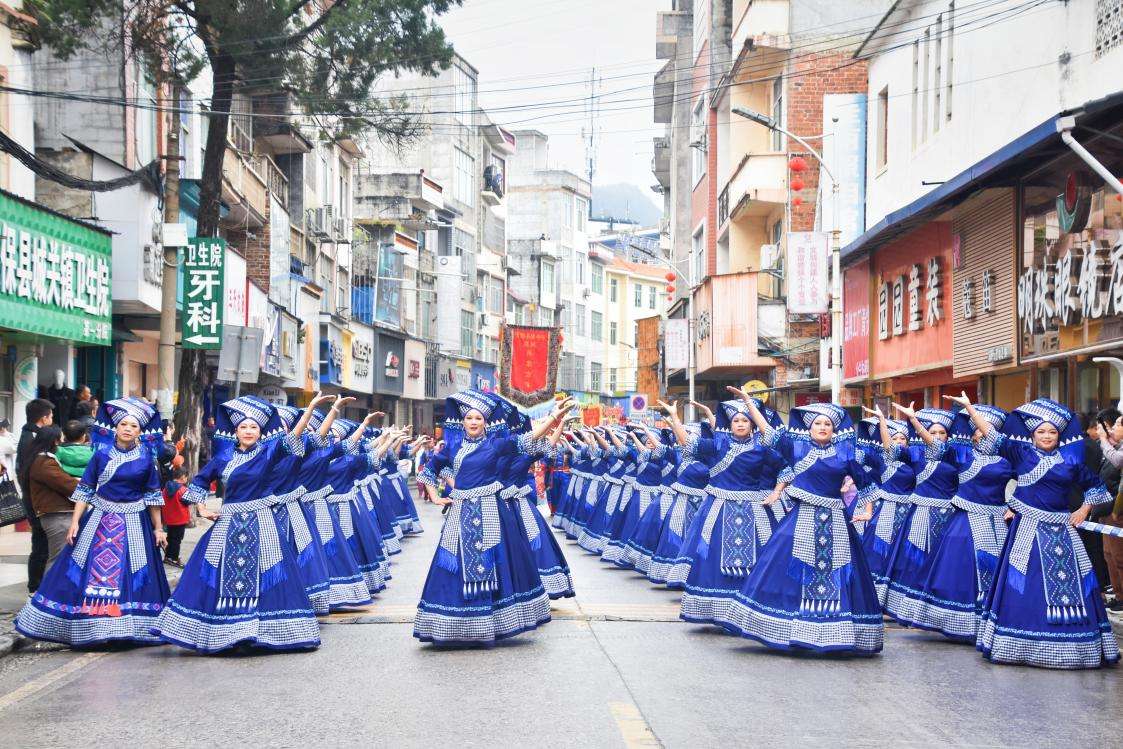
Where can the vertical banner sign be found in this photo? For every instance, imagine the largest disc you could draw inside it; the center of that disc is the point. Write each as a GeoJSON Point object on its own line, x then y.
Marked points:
{"type": "Point", "coordinates": [530, 356]}
{"type": "Point", "coordinates": [807, 269]}
{"type": "Point", "coordinates": [676, 344]}
{"type": "Point", "coordinates": [203, 299]}
{"type": "Point", "coordinates": [844, 119]}
{"type": "Point", "coordinates": [856, 321]}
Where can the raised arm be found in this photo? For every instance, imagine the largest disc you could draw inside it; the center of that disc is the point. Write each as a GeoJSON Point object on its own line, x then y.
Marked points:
{"type": "Point", "coordinates": [302, 423]}
{"type": "Point", "coordinates": [980, 423]}
{"type": "Point", "coordinates": [679, 430]}
{"type": "Point", "coordinates": [556, 418]}
{"type": "Point", "coordinates": [910, 414]}
{"type": "Point", "coordinates": [883, 428]}
{"type": "Point", "coordinates": [707, 414]}
{"type": "Point", "coordinates": [754, 413]}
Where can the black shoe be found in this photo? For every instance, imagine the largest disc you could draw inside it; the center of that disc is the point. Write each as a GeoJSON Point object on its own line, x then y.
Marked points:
{"type": "Point", "coordinates": [1115, 606]}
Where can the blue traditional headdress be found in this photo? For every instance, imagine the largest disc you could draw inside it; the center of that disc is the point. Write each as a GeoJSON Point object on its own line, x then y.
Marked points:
{"type": "Point", "coordinates": [1045, 411]}
{"type": "Point", "coordinates": [341, 429]}
{"type": "Point", "coordinates": [730, 408]}
{"type": "Point", "coordinates": [963, 428]}
{"type": "Point", "coordinates": [802, 417]}
{"type": "Point", "coordinates": [233, 412]}
{"type": "Point", "coordinates": [317, 420]}
{"type": "Point", "coordinates": [518, 422]}
{"type": "Point", "coordinates": [288, 415]}
{"type": "Point", "coordinates": [869, 430]}
{"type": "Point", "coordinates": [929, 417]}
{"type": "Point", "coordinates": [104, 430]}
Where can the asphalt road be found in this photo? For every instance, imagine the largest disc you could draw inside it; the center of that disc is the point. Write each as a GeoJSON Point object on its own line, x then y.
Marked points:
{"type": "Point", "coordinates": [614, 669]}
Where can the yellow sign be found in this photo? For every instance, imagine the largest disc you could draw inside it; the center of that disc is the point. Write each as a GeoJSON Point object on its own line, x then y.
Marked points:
{"type": "Point", "coordinates": [757, 388]}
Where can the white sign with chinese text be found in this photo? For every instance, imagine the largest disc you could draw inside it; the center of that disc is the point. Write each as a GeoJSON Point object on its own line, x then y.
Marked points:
{"type": "Point", "coordinates": [807, 267]}
{"type": "Point", "coordinates": [676, 344]}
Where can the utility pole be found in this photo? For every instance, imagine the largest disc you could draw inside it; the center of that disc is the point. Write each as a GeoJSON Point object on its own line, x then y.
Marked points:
{"type": "Point", "coordinates": [170, 280]}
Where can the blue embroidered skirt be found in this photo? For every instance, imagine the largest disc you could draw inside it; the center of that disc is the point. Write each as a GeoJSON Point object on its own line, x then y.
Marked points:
{"type": "Point", "coordinates": [396, 493]}
{"type": "Point", "coordinates": [383, 514]}
{"type": "Point", "coordinates": [518, 603]}
{"type": "Point", "coordinates": [361, 537]}
{"type": "Point", "coordinates": [640, 546]}
{"type": "Point", "coordinates": [552, 567]}
{"type": "Point", "coordinates": [346, 586]}
{"type": "Point", "coordinates": [722, 548]}
{"type": "Point", "coordinates": [1016, 629]}
{"type": "Point", "coordinates": [669, 547]}
{"type": "Point", "coordinates": [313, 566]}
{"type": "Point", "coordinates": [61, 609]}
{"type": "Point", "coordinates": [770, 607]}
{"type": "Point", "coordinates": [951, 597]}
{"type": "Point", "coordinates": [235, 602]}
{"type": "Point", "coordinates": [594, 535]}
{"type": "Point", "coordinates": [626, 524]}
{"type": "Point", "coordinates": [910, 565]}
{"type": "Point", "coordinates": [559, 485]}
{"type": "Point", "coordinates": [879, 550]}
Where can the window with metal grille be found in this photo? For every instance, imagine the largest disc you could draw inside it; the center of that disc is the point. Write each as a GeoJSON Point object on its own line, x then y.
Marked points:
{"type": "Point", "coordinates": [1109, 25]}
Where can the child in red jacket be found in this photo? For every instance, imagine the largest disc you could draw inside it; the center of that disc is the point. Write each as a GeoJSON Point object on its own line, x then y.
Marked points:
{"type": "Point", "coordinates": [177, 514]}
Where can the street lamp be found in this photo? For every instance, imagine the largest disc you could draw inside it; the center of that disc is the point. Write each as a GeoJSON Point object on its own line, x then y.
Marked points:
{"type": "Point", "coordinates": [836, 249]}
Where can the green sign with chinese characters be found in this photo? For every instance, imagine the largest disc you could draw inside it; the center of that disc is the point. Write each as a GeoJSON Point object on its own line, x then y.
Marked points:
{"type": "Point", "coordinates": [204, 261]}
{"type": "Point", "coordinates": [54, 274]}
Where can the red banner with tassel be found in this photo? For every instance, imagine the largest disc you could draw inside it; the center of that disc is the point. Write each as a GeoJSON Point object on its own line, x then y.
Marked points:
{"type": "Point", "coordinates": [529, 373]}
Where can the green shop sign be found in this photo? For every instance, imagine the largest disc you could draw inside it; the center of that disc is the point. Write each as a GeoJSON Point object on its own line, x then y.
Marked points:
{"type": "Point", "coordinates": [204, 260]}
{"type": "Point", "coordinates": [54, 274]}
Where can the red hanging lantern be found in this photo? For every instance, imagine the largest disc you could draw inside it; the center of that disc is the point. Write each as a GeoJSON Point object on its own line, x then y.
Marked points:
{"type": "Point", "coordinates": [797, 184]}
{"type": "Point", "coordinates": [797, 164]}
{"type": "Point", "coordinates": [670, 290]}
{"type": "Point", "coordinates": [671, 277]}
{"type": "Point", "coordinates": [797, 202]}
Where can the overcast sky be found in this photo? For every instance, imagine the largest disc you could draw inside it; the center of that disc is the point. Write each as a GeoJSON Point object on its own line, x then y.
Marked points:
{"type": "Point", "coordinates": [542, 53]}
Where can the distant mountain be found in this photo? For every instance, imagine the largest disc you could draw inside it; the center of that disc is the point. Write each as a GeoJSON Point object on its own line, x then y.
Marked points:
{"type": "Point", "coordinates": [625, 201]}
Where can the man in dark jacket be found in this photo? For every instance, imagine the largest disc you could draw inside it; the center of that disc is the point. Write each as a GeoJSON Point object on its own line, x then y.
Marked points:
{"type": "Point", "coordinates": [40, 413]}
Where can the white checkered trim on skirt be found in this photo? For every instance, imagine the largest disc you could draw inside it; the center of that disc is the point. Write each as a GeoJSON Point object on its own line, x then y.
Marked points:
{"type": "Point", "coordinates": [298, 629]}
{"type": "Point", "coordinates": [1042, 649]}
{"type": "Point", "coordinates": [515, 617]}
{"type": "Point", "coordinates": [785, 632]}
{"type": "Point", "coordinates": [36, 623]}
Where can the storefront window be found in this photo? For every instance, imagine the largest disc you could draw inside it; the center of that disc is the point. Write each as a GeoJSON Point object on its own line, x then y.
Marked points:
{"type": "Point", "coordinates": [1070, 266]}
{"type": "Point", "coordinates": [1088, 388]}
{"type": "Point", "coordinates": [1051, 383]}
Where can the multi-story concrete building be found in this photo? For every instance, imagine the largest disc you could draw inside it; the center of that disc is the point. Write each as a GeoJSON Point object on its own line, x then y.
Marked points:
{"type": "Point", "coordinates": [990, 250]}
{"type": "Point", "coordinates": [729, 238]}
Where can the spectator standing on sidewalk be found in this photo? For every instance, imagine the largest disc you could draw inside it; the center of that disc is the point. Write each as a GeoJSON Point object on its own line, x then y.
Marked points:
{"type": "Point", "coordinates": [49, 488]}
{"type": "Point", "coordinates": [39, 413]}
{"type": "Point", "coordinates": [176, 514]}
{"type": "Point", "coordinates": [8, 447]}
{"type": "Point", "coordinates": [75, 451]}
{"type": "Point", "coordinates": [1111, 442]}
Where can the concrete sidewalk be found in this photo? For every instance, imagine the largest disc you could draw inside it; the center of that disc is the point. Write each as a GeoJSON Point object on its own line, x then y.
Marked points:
{"type": "Point", "coordinates": [14, 549]}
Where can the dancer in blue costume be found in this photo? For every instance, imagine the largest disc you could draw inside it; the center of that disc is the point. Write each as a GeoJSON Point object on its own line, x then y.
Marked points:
{"type": "Point", "coordinates": [886, 460]}
{"type": "Point", "coordinates": [346, 586]}
{"type": "Point", "coordinates": [594, 537]}
{"type": "Point", "coordinates": [963, 566]}
{"type": "Point", "coordinates": [519, 489]}
{"type": "Point", "coordinates": [640, 546]}
{"type": "Point", "coordinates": [483, 584]}
{"type": "Point", "coordinates": [578, 477]}
{"type": "Point", "coordinates": [930, 509]}
{"type": "Point", "coordinates": [108, 583]}
{"type": "Point", "coordinates": [394, 485]}
{"type": "Point", "coordinates": [242, 584]}
{"type": "Point", "coordinates": [369, 493]}
{"type": "Point", "coordinates": [811, 588]}
{"type": "Point", "coordinates": [693, 480]}
{"type": "Point", "coordinates": [585, 454]}
{"type": "Point", "coordinates": [600, 461]}
{"type": "Point", "coordinates": [669, 566]}
{"type": "Point", "coordinates": [557, 482]}
{"type": "Point", "coordinates": [349, 509]}
{"type": "Point", "coordinates": [740, 511]}
{"type": "Point", "coordinates": [1044, 607]}
{"type": "Point", "coordinates": [651, 456]}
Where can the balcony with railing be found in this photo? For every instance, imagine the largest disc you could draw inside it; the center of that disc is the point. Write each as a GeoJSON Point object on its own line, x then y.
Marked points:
{"type": "Point", "coordinates": [727, 338]}
{"type": "Point", "coordinates": [275, 180]}
{"type": "Point", "coordinates": [244, 189]}
{"type": "Point", "coordinates": [405, 198]}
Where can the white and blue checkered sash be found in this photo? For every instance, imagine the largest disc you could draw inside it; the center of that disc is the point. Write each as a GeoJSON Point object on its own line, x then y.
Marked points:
{"type": "Point", "coordinates": [223, 548]}
{"type": "Point", "coordinates": [471, 532]}
{"type": "Point", "coordinates": [745, 526]}
{"type": "Point", "coordinates": [1064, 562]}
{"type": "Point", "coordinates": [320, 512]}
{"type": "Point", "coordinates": [301, 533]}
{"type": "Point", "coordinates": [886, 525]}
{"type": "Point", "coordinates": [521, 496]}
{"type": "Point", "coordinates": [810, 507]}
{"type": "Point", "coordinates": [134, 530]}
{"type": "Point", "coordinates": [684, 495]}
